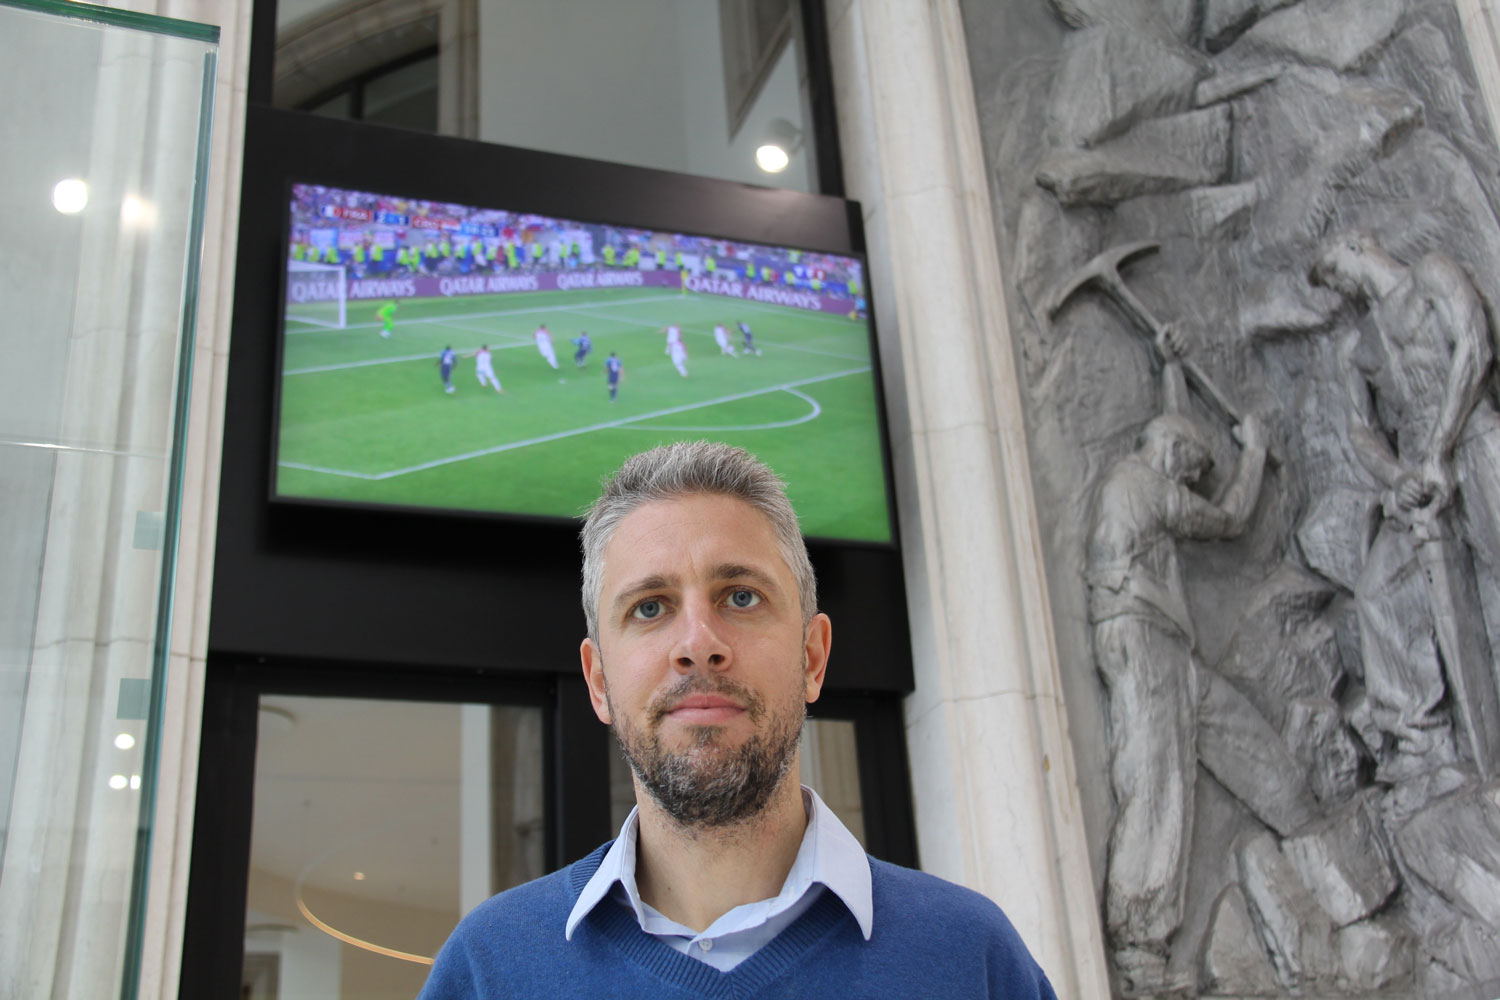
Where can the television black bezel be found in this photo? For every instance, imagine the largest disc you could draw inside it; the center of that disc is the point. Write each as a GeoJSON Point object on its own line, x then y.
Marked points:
{"type": "Point", "coordinates": [599, 174]}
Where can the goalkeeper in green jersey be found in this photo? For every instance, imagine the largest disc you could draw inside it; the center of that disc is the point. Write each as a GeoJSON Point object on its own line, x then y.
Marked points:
{"type": "Point", "coordinates": [387, 314]}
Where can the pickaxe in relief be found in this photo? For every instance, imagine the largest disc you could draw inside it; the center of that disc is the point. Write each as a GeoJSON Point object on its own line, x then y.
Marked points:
{"type": "Point", "coordinates": [1103, 272]}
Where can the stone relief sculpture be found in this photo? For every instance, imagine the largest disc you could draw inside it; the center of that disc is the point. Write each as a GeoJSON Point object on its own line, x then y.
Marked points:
{"type": "Point", "coordinates": [1166, 711]}
{"type": "Point", "coordinates": [1416, 375]}
{"type": "Point", "coordinates": [1278, 607]}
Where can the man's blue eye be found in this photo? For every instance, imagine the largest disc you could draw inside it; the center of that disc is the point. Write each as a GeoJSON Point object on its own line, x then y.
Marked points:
{"type": "Point", "coordinates": [744, 598]}
{"type": "Point", "coordinates": [647, 609]}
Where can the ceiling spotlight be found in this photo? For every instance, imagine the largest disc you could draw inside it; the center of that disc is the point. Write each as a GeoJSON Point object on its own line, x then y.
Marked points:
{"type": "Point", "coordinates": [118, 781]}
{"type": "Point", "coordinates": [69, 196]}
{"type": "Point", "coordinates": [124, 741]}
{"type": "Point", "coordinates": [779, 141]}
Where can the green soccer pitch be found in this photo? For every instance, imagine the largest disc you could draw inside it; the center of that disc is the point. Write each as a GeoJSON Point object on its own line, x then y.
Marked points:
{"type": "Point", "coordinates": [366, 418]}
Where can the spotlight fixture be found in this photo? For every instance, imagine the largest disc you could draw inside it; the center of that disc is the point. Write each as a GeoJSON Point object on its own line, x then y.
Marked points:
{"type": "Point", "coordinates": [779, 141]}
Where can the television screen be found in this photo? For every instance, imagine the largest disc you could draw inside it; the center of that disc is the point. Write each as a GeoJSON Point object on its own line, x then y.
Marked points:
{"type": "Point", "coordinates": [479, 359]}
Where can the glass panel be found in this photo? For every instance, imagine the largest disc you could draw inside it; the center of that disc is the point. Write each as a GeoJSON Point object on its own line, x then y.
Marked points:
{"type": "Point", "coordinates": [407, 97]}
{"type": "Point", "coordinates": [694, 86]}
{"type": "Point", "coordinates": [378, 824]}
{"type": "Point", "coordinates": [340, 105]}
{"type": "Point", "coordinates": [104, 162]}
{"type": "Point", "coordinates": [830, 767]}
{"type": "Point", "coordinates": [645, 84]}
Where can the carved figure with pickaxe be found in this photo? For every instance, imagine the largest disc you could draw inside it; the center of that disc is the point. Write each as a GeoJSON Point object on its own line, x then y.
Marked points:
{"type": "Point", "coordinates": [1102, 273]}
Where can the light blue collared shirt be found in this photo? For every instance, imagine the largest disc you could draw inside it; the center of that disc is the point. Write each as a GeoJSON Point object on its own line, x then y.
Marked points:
{"type": "Point", "coordinates": [830, 858]}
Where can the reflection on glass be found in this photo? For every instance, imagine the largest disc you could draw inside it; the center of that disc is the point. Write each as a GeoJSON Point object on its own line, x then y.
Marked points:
{"type": "Point", "coordinates": [378, 824]}
{"type": "Point", "coordinates": [406, 96]}
{"type": "Point", "coordinates": [108, 114]}
{"type": "Point", "coordinates": [830, 767]}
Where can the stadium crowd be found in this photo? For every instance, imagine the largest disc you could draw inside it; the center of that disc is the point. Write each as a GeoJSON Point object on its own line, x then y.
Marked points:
{"type": "Point", "coordinates": [379, 236]}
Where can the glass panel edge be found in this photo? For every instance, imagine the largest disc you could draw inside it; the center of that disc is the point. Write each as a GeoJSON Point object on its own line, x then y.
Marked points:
{"type": "Point", "coordinates": [161, 655]}
{"type": "Point", "coordinates": [113, 17]}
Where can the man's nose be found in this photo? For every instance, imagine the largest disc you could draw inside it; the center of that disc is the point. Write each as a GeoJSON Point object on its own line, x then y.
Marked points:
{"type": "Point", "coordinates": [700, 640]}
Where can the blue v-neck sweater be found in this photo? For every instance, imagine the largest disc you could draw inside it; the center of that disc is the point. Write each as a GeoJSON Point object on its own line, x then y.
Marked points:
{"type": "Point", "coordinates": [931, 939]}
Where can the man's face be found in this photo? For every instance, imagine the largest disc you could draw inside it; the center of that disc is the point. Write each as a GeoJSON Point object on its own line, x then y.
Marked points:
{"type": "Point", "coordinates": [703, 666]}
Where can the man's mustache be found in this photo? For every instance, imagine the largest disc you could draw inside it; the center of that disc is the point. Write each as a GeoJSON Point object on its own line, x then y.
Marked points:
{"type": "Point", "coordinates": [697, 683]}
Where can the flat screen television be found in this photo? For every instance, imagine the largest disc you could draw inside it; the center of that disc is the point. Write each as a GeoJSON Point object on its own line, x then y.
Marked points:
{"type": "Point", "coordinates": [488, 360]}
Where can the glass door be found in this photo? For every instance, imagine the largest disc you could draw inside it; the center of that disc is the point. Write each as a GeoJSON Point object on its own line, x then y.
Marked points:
{"type": "Point", "coordinates": [377, 824]}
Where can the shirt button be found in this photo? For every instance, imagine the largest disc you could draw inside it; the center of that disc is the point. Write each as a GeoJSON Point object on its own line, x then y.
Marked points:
{"type": "Point", "coordinates": [705, 944]}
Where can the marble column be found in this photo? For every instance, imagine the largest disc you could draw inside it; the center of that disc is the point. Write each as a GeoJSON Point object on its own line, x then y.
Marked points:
{"type": "Point", "coordinates": [992, 767]}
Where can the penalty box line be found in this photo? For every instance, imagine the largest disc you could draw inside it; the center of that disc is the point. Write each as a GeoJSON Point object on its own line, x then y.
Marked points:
{"type": "Point", "coordinates": [574, 432]}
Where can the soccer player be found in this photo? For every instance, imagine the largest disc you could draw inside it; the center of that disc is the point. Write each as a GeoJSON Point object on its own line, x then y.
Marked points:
{"type": "Point", "coordinates": [484, 367]}
{"type": "Point", "coordinates": [722, 336]}
{"type": "Point", "coordinates": [387, 315]}
{"type": "Point", "coordinates": [583, 346]}
{"type": "Point", "coordinates": [749, 338]}
{"type": "Point", "coordinates": [677, 351]}
{"type": "Point", "coordinates": [674, 336]}
{"type": "Point", "coordinates": [544, 345]}
{"type": "Point", "coordinates": [445, 365]}
{"type": "Point", "coordinates": [614, 368]}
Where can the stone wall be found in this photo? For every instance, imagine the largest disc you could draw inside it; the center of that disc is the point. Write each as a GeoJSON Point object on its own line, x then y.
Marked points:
{"type": "Point", "coordinates": [1264, 233]}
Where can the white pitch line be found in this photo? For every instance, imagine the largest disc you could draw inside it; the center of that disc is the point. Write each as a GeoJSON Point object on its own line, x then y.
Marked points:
{"type": "Point", "coordinates": [401, 358]}
{"type": "Point", "coordinates": [543, 439]}
{"type": "Point", "coordinates": [352, 327]}
{"type": "Point", "coordinates": [812, 414]}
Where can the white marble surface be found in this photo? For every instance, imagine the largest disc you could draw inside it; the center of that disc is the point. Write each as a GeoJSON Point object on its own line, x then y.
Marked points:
{"type": "Point", "coordinates": [992, 771]}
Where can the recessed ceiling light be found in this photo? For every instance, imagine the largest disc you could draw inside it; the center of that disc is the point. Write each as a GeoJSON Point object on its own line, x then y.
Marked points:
{"type": "Point", "coordinates": [124, 741]}
{"type": "Point", "coordinates": [118, 781]}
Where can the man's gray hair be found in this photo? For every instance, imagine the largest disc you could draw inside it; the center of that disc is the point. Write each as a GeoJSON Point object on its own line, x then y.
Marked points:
{"type": "Point", "coordinates": [684, 469]}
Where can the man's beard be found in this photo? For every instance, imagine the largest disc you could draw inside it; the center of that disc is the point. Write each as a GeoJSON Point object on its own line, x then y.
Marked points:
{"type": "Point", "coordinates": [709, 785]}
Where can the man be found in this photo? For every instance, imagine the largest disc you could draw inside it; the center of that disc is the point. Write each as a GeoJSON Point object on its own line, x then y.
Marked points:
{"type": "Point", "coordinates": [729, 878]}
{"type": "Point", "coordinates": [721, 336]}
{"type": "Point", "coordinates": [544, 345]}
{"type": "Point", "coordinates": [445, 367]}
{"type": "Point", "coordinates": [484, 367]}
{"type": "Point", "coordinates": [1421, 421]}
{"type": "Point", "coordinates": [748, 337]}
{"type": "Point", "coordinates": [387, 315]}
{"type": "Point", "coordinates": [677, 350]}
{"type": "Point", "coordinates": [582, 346]}
{"type": "Point", "coordinates": [1166, 711]}
{"type": "Point", "coordinates": [613, 369]}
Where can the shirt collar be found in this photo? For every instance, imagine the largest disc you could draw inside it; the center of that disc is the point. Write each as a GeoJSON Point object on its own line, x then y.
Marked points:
{"type": "Point", "coordinates": [830, 855]}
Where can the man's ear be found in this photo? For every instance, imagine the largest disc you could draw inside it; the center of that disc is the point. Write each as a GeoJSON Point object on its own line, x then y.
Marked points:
{"type": "Point", "coordinates": [593, 676]}
{"type": "Point", "coordinates": [817, 643]}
